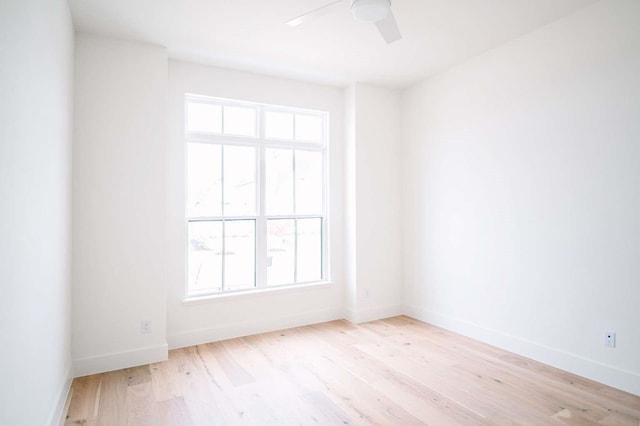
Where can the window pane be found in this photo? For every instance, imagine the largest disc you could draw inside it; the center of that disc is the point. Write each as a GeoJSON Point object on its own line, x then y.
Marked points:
{"type": "Point", "coordinates": [239, 181]}
{"type": "Point", "coordinates": [240, 258]}
{"type": "Point", "coordinates": [278, 125]}
{"type": "Point", "coordinates": [204, 117]}
{"type": "Point", "coordinates": [204, 180]}
{"type": "Point", "coordinates": [309, 257]}
{"type": "Point", "coordinates": [308, 182]}
{"type": "Point", "coordinates": [239, 121]}
{"type": "Point", "coordinates": [205, 257]}
{"type": "Point", "coordinates": [279, 181]}
{"type": "Point", "coordinates": [308, 128]}
{"type": "Point", "coordinates": [280, 251]}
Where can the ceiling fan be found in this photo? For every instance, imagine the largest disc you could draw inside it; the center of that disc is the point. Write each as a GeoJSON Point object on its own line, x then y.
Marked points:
{"type": "Point", "coordinates": [377, 11]}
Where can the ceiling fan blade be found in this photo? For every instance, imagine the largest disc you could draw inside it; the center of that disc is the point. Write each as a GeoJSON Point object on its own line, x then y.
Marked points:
{"type": "Point", "coordinates": [323, 10]}
{"type": "Point", "coordinates": [389, 28]}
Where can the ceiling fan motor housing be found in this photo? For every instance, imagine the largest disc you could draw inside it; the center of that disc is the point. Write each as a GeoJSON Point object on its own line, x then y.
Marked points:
{"type": "Point", "coordinates": [370, 10]}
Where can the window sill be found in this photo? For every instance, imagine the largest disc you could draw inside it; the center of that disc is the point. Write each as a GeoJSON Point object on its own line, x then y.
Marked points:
{"type": "Point", "coordinates": [209, 298]}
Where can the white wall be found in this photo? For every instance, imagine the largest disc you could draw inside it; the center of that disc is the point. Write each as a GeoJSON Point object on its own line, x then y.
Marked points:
{"type": "Point", "coordinates": [119, 243]}
{"type": "Point", "coordinates": [36, 66]}
{"type": "Point", "coordinates": [373, 176]}
{"type": "Point", "coordinates": [349, 185]}
{"type": "Point", "coordinates": [237, 315]}
{"type": "Point", "coordinates": [522, 195]}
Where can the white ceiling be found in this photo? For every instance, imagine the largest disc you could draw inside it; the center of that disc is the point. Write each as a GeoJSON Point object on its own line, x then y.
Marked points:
{"type": "Point", "coordinates": [251, 35]}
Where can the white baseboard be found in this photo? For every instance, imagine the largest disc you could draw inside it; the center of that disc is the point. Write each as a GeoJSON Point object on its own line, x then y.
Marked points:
{"type": "Point", "coordinates": [56, 416]}
{"type": "Point", "coordinates": [249, 327]}
{"type": "Point", "coordinates": [120, 360]}
{"type": "Point", "coordinates": [358, 316]}
{"type": "Point", "coordinates": [619, 378]}
{"type": "Point", "coordinates": [609, 375]}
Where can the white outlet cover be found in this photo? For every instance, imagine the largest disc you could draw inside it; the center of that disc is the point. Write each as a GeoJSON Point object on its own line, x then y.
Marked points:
{"type": "Point", "coordinates": [610, 339]}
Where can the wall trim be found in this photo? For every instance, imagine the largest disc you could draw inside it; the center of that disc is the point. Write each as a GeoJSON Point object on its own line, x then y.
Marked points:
{"type": "Point", "coordinates": [625, 380]}
{"type": "Point", "coordinates": [249, 327]}
{"type": "Point", "coordinates": [373, 313]}
{"type": "Point", "coordinates": [119, 360]}
{"type": "Point", "coordinates": [58, 413]}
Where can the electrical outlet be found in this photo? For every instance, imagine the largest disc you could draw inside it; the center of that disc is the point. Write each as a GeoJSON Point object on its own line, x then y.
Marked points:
{"type": "Point", "coordinates": [145, 326]}
{"type": "Point", "coordinates": [610, 339]}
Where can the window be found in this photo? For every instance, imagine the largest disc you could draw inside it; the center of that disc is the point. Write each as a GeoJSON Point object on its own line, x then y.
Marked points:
{"type": "Point", "coordinates": [256, 195]}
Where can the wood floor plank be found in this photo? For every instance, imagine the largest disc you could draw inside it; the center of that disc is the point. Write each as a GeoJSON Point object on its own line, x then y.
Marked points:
{"type": "Point", "coordinates": [83, 402]}
{"type": "Point", "coordinates": [396, 371]}
{"type": "Point", "coordinates": [420, 401]}
{"type": "Point", "coordinates": [271, 385]}
{"type": "Point", "coordinates": [237, 375]}
{"type": "Point", "coordinates": [142, 408]}
{"type": "Point", "coordinates": [174, 412]}
{"type": "Point", "coordinates": [205, 402]}
{"type": "Point", "coordinates": [327, 411]}
{"type": "Point", "coordinates": [163, 379]}
{"type": "Point", "coordinates": [113, 393]}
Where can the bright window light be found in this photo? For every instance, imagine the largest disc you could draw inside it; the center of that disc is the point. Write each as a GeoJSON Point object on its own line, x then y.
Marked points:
{"type": "Point", "coordinates": [255, 196]}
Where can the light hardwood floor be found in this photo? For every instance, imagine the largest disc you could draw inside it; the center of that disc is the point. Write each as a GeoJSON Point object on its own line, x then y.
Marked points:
{"type": "Point", "coordinates": [397, 371]}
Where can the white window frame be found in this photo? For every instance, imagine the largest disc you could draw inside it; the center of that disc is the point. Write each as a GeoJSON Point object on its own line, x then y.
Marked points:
{"type": "Point", "coordinates": [260, 143]}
